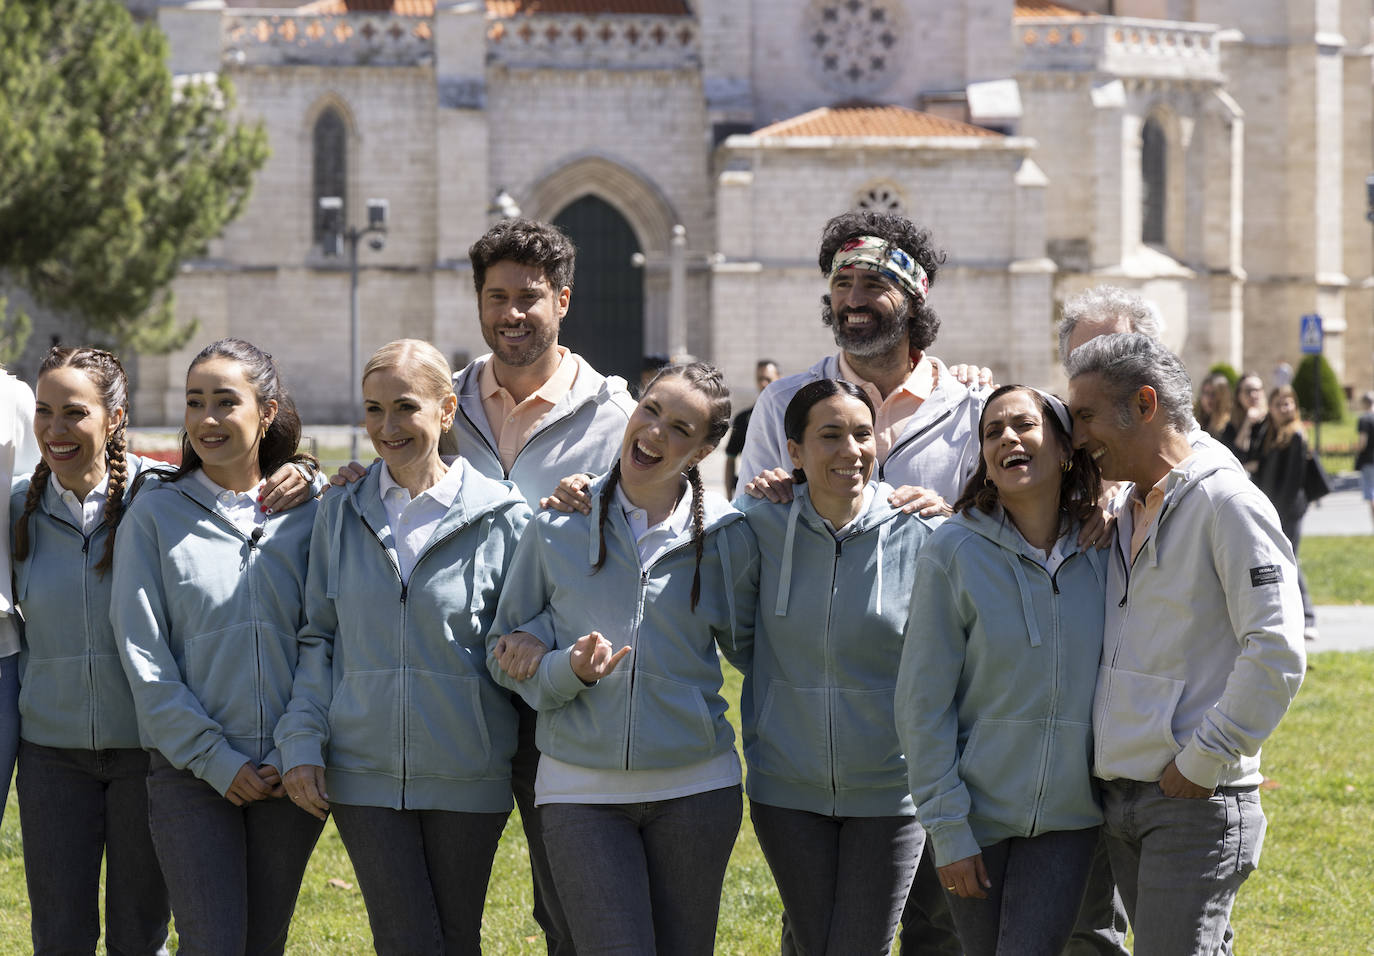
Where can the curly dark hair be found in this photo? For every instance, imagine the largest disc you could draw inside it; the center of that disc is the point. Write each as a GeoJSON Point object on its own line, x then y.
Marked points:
{"type": "Point", "coordinates": [922, 322]}
{"type": "Point", "coordinates": [528, 242]}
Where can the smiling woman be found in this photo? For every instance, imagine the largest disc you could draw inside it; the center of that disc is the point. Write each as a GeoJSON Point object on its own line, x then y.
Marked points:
{"type": "Point", "coordinates": [638, 781]}
{"type": "Point", "coordinates": [405, 569]}
{"type": "Point", "coordinates": [996, 683]}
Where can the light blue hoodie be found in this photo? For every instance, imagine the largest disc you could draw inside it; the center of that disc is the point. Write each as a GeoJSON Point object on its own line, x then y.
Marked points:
{"type": "Point", "coordinates": [579, 434]}
{"type": "Point", "coordinates": [392, 693]}
{"type": "Point", "coordinates": [73, 693]}
{"type": "Point", "coordinates": [207, 617]}
{"type": "Point", "coordinates": [661, 707]}
{"type": "Point", "coordinates": [995, 691]}
{"type": "Point", "coordinates": [819, 727]}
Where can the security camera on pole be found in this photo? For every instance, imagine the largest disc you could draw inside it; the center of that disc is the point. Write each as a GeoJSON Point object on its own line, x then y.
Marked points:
{"type": "Point", "coordinates": [335, 234]}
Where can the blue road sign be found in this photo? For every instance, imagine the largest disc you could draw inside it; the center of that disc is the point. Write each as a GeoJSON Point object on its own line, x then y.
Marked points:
{"type": "Point", "coordinates": [1311, 335]}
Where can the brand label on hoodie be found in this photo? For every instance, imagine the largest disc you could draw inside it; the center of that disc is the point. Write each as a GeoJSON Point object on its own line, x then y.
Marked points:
{"type": "Point", "coordinates": [1265, 574]}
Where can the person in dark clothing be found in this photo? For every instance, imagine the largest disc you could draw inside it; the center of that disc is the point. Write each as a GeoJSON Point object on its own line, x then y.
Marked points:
{"type": "Point", "coordinates": [765, 373]}
{"type": "Point", "coordinates": [1280, 465]}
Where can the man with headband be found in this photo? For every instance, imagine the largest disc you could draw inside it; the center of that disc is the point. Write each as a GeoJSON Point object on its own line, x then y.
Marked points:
{"type": "Point", "coordinates": [880, 268]}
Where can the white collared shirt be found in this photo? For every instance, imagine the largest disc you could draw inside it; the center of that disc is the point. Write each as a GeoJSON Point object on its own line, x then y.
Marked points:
{"type": "Point", "coordinates": [412, 521]}
{"type": "Point", "coordinates": [241, 508]}
{"type": "Point", "coordinates": [653, 540]}
{"type": "Point", "coordinates": [86, 512]}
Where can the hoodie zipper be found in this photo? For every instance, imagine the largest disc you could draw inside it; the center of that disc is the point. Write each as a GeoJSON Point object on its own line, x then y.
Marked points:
{"type": "Point", "coordinates": [830, 677]}
{"type": "Point", "coordinates": [1054, 692]}
{"type": "Point", "coordinates": [892, 452]}
{"type": "Point", "coordinates": [252, 603]}
{"type": "Point", "coordinates": [543, 427]}
{"type": "Point", "coordinates": [401, 655]}
{"type": "Point", "coordinates": [92, 689]}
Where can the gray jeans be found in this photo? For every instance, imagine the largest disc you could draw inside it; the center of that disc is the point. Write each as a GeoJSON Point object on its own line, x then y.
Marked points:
{"type": "Point", "coordinates": [843, 880]}
{"type": "Point", "coordinates": [643, 877]}
{"type": "Point", "coordinates": [1180, 862]}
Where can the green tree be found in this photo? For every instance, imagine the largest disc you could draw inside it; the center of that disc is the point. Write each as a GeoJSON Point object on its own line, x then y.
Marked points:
{"type": "Point", "coordinates": [1333, 399]}
{"type": "Point", "coordinates": [111, 173]}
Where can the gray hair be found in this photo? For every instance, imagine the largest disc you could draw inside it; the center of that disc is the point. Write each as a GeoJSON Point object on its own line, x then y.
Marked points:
{"type": "Point", "coordinates": [1127, 361]}
{"type": "Point", "coordinates": [1105, 302]}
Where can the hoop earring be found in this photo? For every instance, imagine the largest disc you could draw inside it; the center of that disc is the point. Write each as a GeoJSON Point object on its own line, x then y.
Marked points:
{"type": "Point", "coordinates": [1067, 466]}
{"type": "Point", "coordinates": [987, 483]}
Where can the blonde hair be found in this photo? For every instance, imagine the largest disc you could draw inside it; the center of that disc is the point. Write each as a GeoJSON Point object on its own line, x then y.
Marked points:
{"type": "Point", "coordinates": [432, 374]}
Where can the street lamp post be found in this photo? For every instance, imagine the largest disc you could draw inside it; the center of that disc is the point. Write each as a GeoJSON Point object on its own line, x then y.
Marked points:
{"type": "Point", "coordinates": [335, 235]}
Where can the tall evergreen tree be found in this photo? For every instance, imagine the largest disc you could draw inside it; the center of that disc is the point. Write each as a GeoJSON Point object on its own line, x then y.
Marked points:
{"type": "Point", "coordinates": [112, 173]}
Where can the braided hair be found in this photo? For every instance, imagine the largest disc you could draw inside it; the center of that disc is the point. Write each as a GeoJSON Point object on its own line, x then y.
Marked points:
{"type": "Point", "coordinates": [708, 380]}
{"type": "Point", "coordinates": [105, 372]}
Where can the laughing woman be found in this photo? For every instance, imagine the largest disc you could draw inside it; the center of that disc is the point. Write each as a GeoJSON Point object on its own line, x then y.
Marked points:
{"type": "Point", "coordinates": [395, 723]}
{"type": "Point", "coordinates": [207, 599]}
{"type": "Point", "coordinates": [827, 782]}
{"type": "Point", "coordinates": [995, 690]}
{"type": "Point", "coordinates": [638, 779]}
{"type": "Point", "coordinates": [83, 792]}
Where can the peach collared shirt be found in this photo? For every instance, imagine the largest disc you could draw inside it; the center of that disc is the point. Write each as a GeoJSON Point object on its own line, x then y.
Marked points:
{"type": "Point", "coordinates": [898, 408]}
{"type": "Point", "coordinates": [513, 423]}
{"type": "Point", "coordinates": [1144, 512]}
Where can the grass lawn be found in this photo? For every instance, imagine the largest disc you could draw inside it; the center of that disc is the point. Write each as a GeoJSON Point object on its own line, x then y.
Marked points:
{"type": "Point", "coordinates": [1309, 896]}
{"type": "Point", "coordinates": [1338, 569]}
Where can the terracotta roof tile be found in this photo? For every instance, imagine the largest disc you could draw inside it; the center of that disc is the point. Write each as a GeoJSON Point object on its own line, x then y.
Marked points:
{"type": "Point", "coordinates": [856, 121]}
{"type": "Point", "coordinates": [404, 8]}
{"type": "Point", "coordinates": [512, 8]}
{"type": "Point", "coordinates": [1044, 8]}
{"type": "Point", "coordinates": [505, 8]}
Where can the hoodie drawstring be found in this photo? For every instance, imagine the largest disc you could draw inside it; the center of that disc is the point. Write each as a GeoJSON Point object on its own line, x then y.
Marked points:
{"type": "Point", "coordinates": [1026, 604]}
{"type": "Point", "coordinates": [785, 573]}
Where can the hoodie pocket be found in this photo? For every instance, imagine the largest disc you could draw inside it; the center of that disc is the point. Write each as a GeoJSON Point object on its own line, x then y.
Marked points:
{"type": "Point", "coordinates": [867, 752]}
{"type": "Point", "coordinates": [673, 726]}
{"type": "Point", "coordinates": [364, 731]}
{"type": "Point", "coordinates": [791, 741]}
{"type": "Point", "coordinates": [1001, 766]}
{"type": "Point", "coordinates": [1136, 736]}
{"type": "Point", "coordinates": [447, 727]}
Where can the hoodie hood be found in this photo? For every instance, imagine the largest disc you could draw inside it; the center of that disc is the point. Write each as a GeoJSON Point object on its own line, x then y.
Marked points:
{"type": "Point", "coordinates": [998, 529]}
{"type": "Point", "coordinates": [878, 515]}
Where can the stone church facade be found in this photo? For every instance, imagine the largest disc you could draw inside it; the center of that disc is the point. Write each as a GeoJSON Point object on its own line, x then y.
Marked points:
{"type": "Point", "coordinates": [1210, 153]}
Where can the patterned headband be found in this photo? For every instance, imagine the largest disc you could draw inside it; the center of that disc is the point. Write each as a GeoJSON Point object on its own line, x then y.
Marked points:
{"type": "Point", "coordinates": [878, 255]}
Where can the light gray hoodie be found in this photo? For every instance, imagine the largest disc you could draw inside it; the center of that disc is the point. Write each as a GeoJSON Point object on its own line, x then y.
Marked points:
{"type": "Point", "coordinates": [1203, 650]}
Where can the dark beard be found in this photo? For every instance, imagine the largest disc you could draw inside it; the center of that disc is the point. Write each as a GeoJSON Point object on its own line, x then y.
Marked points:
{"type": "Point", "coordinates": [888, 334]}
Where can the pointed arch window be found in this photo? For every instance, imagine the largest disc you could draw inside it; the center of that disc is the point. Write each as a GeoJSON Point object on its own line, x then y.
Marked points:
{"type": "Point", "coordinates": [331, 165]}
{"type": "Point", "coordinates": [1153, 182]}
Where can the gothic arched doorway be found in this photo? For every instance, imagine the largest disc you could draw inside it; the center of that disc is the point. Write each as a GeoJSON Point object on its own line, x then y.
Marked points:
{"type": "Point", "coordinates": [605, 322]}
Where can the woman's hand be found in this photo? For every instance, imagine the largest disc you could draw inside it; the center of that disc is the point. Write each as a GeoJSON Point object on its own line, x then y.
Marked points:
{"type": "Point", "coordinates": [592, 658]}
{"type": "Point", "coordinates": [349, 473]}
{"type": "Point", "coordinates": [284, 489]}
{"type": "Point", "coordinates": [775, 485]}
{"type": "Point", "coordinates": [519, 654]}
{"type": "Point", "coordinates": [570, 495]}
{"type": "Point", "coordinates": [305, 787]}
{"type": "Point", "coordinates": [252, 784]}
{"type": "Point", "coordinates": [967, 878]}
{"type": "Point", "coordinates": [914, 498]}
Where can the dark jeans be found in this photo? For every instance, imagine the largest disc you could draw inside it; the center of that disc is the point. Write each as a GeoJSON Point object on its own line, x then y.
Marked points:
{"type": "Point", "coordinates": [423, 874]}
{"type": "Point", "coordinates": [843, 880]}
{"type": "Point", "coordinates": [927, 925]}
{"type": "Point", "coordinates": [548, 913]}
{"type": "Point", "coordinates": [1180, 862]}
{"type": "Point", "coordinates": [233, 873]}
{"type": "Point", "coordinates": [643, 878]}
{"type": "Point", "coordinates": [1037, 886]}
{"type": "Point", "coordinates": [1101, 926]}
{"type": "Point", "coordinates": [9, 724]}
{"type": "Point", "coordinates": [75, 807]}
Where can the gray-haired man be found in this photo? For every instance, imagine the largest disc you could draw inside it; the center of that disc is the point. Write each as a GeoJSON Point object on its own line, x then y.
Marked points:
{"type": "Point", "coordinates": [1203, 650]}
